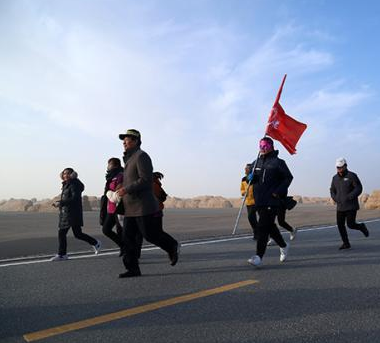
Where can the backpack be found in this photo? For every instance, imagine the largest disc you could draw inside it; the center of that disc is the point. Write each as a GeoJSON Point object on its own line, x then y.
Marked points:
{"type": "Point", "coordinates": [290, 203]}
{"type": "Point", "coordinates": [162, 195]}
{"type": "Point", "coordinates": [103, 209]}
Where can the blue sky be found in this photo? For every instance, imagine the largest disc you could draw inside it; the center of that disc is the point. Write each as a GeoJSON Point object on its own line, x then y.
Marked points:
{"type": "Point", "coordinates": [197, 78]}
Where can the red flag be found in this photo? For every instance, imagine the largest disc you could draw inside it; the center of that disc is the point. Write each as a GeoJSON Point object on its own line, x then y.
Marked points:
{"type": "Point", "coordinates": [282, 127]}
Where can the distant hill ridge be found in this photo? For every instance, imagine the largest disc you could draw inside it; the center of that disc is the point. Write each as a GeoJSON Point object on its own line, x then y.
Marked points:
{"type": "Point", "coordinates": [91, 203]}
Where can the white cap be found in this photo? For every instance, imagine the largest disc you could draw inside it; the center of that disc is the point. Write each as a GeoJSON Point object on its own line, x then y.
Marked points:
{"type": "Point", "coordinates": [340, 162]}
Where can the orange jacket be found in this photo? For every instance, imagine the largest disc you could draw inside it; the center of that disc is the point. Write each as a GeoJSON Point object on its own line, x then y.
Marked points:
{"type": "Point", "coordinates": [250, 200]}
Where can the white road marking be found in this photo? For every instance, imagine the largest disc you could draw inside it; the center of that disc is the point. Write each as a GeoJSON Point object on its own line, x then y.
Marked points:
{"type": "Point", "coordinates": [44, 259]}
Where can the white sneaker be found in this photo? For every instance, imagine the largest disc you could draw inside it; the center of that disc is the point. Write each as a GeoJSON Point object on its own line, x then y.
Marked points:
{"type": "Point", "coordinates": [97, 247]}
{"type": "Point", "coordinates": [59, 258]}
{"type": "Point", "coordinates": [271, 241]}
{"type": "Point", "coordinates": [293, 234]}
{"type": "Point", "coordinates": [284, 253]}
{"type": "Point", "coordinates": [255, 261]}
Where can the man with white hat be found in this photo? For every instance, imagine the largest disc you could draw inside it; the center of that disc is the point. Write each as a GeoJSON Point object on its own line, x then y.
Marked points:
{"type": "Point", "coordinates": [345, 190]}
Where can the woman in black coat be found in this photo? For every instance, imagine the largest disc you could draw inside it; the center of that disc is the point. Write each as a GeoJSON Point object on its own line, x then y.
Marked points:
{"type": "Point", "coordinates": [71, 214]}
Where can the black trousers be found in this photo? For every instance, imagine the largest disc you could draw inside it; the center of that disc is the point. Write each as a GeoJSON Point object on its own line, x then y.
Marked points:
{"type": "Point", "coordinates": [281, 213]}
{"type": "Point", "coordinates": [148, 227]}
{"type": "Point", "coordinates": [267, 227]}
{"type": "Point", "coordinates": [252, 218]}
{"type": "Point", "coordinates": [350, 217]}
{"type": "Point", "coordinates": [109, 222]}
{"type": "Point", "coordinates": [77, 230]}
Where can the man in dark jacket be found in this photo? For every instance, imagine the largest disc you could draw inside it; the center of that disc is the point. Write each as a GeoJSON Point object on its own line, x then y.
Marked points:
{"type": "Point", "coordinates": [271, 179]}
{"type": "Point", "coordinates": [140, 206]}
{"type": "Point", "coordinates": [345, 190]}
{"type": "Point", "coordinates": [71, 214]}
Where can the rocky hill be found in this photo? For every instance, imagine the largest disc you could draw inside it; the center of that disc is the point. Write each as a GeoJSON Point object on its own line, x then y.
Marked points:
{"type": "Point", "coordinates": [91, 203]}
{"type": "Point", "coordinates": [373, 201]}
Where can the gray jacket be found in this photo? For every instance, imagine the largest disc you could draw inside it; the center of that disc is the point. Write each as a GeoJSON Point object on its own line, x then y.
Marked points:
{"type": "Point", "coordinates": [345, 190]}
{"type": "Point", "coordinates": [138, 183]}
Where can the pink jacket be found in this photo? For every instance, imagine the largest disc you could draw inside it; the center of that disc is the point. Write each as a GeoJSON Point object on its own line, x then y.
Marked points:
{"type": "Point", "coordinates": [117, 180]}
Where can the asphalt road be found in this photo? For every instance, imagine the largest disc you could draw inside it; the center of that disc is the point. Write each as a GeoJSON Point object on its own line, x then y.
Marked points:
{"type": "Point", "coordinates": [320, 294]}
{"type": "Point", "coordinates": [30, 234]}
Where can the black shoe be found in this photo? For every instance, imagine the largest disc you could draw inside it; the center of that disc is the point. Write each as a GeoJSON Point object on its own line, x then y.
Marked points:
{"type": "Point", "coordinates": [345, 246]}
{"type": "Point", "coordinates": [173, 256]}
{"type": "Point", "coordinates": [130, 273]}
{"type": "Point", "coordinates": [364, 230]}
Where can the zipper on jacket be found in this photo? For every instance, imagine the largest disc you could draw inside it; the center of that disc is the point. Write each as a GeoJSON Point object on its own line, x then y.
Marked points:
{"type": "Point", "coordinates": [264, 175]}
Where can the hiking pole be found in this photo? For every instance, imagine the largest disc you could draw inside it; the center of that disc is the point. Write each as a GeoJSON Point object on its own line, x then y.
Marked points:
{"type": "Point", "coordinates": [245, 196]}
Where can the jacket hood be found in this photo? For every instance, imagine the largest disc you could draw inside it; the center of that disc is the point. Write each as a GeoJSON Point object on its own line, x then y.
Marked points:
{"type": "Point", "coordinates": [74, 180]}
{"type": "Point", "coordinates": [78, 183]}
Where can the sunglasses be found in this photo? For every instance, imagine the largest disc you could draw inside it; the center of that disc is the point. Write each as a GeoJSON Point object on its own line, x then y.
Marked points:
{"type": "Point", "coordinates": [265, 146]}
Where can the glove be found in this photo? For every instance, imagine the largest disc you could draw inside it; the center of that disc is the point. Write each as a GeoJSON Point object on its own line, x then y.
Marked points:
{"type": "Point", "coordinates": [113, 197]}
{"type": "Point", "coordinates": [250, 176]}
{"type": "Point", "coordinates": [56, 204]}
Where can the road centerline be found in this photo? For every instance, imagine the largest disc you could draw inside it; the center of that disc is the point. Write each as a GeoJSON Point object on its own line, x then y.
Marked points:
{"type": "Point", "coordinates": [58, 330]}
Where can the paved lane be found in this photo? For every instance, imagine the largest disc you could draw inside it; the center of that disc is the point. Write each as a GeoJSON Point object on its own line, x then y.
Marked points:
{"type": "Point", "coordinates": [319, 295]}
{"type": "Point", "coordinates": [25, 234]}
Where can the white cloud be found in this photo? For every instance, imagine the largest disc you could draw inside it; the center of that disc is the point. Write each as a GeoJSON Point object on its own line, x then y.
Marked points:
{"type": "Point", "coordinates": [200, 94]}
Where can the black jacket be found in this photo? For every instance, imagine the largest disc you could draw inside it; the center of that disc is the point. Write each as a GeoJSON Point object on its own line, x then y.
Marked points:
{"type": "Point", "coordinates": [70, 206]}
{"type": "Point", "coordinates": [271, 176]}
{"type": "Point", "coordinates": [345, 190]}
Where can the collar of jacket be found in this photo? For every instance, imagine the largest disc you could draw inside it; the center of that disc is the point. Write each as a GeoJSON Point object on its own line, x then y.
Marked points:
{"type": "Point", "coordinates": [113, 172]}
{"type": "Point", "coordinates": [272, 154]}
{"type": "Point", "coordinates": [344, 174]}
{"type": "Point", "coordinates": [128, 154]}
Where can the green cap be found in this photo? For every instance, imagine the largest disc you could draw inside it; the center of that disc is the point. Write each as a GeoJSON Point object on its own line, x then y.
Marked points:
{"type": "Point", "coordinates": [130, 133]}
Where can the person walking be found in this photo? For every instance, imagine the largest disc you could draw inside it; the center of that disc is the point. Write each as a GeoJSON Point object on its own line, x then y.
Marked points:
{"type": "Point", "coordinates": [345, 190]}
{"type": "Point", "coordinates": [249, 200]}
{"type": "Point", "coordinates": [140, 206]}
{"type": "Point", "coordinates": [281, 219]}
{"type": "Point", "coordinates": [71, 214]}
{"type": "Point", "coordinates": [161, 196]}
{"type": "Point", "coordinates": [271, 179]}
{"type": "Point", "coordinates": [281, 215]}
{"type": "Point", "coordinates": [114, 180]}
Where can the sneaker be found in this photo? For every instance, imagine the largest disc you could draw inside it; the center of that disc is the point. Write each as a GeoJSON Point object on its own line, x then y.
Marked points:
{"type": "Point", "coordinates": [271, 241]}
{"type": "Point", "coordinates": [97, 247]}
{"type": "Point", "coordinates": [345, 246]}
{"type": "Point", "coordinates": [284, 253]}
{"type": "Point", "coordinates": [293, 234]}
{"type": "Point", "coordinates": [364, 230]}
{"type": "Point", "coordinates": [59, 258]}
{"type": "Point", "coordinates": [255, 261]}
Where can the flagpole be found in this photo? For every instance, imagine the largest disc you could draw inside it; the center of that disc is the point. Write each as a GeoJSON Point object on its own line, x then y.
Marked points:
{"type": "Point", "coordinates": [246, 193]}
{"type": "Point", "coordinates": [280, 91]}
{"type": "Point", "coordinates": [254, 167]}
